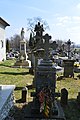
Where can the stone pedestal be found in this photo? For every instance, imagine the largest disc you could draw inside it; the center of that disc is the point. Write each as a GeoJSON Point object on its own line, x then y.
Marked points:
{"type": "Point", "coordinates": [45, 79]}
{"type": "Point", "coordinates": [22, 64]}
{"type": "Point", "coordinates": [45, 76]}
{"type": "Point", "coordinates": [68, 68]}
{"type": "Point", "coordinates": [22, 61]}
{"type": "Point", "coordinates": [23, 49]}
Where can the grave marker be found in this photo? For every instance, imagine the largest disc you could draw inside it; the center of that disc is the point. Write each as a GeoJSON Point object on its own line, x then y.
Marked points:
{"type": "Point", "coordinates": [69, 63]}
{"type": "Point", "coordinates": [22, 61]}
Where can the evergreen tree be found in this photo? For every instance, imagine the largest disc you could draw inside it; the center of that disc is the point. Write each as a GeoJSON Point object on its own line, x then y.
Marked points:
{"type": "Point", "coordinates": [7, 45]}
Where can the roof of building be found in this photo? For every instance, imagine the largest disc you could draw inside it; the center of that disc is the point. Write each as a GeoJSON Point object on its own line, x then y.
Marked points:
{"type": "Point", "coordinates": [3, 22]}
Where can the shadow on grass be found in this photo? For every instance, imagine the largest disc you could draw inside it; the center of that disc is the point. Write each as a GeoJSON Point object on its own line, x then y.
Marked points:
{"type": "Point", "coordinates": [15, 73]}
{"type": "Point", "coordinates": [72, 110]}
{"type": "Point", "coordinates": [22, 111]}
{"type": "Point", "coordinates": [26, 112]}
{"type": "Point", "coordinates": [19, 101]}
{"type": "Point", "coordinates": [18, 88]}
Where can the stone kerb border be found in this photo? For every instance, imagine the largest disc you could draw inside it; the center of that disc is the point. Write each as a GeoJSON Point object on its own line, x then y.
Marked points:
{"type": "Point", "coordinates": [6, 100]}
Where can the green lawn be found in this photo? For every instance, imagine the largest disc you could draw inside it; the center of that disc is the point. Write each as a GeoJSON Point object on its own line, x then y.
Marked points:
{"type": "Point", "coordinates": [14, 76]}
{"type": "Point", "coordinates": [21, 77]}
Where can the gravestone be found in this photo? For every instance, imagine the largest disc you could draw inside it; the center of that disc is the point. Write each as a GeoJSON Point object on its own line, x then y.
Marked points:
{"type": "Point", "coordinates": [35, 44]}
{"type": "Point", "coordinates": [23, 45]}
{"type": "Point", "coordinates": [45, 72]}
{"type": "Point", "coordinates": [25, 94]}
{"type": "Point", "coordinates": [23, 57]}
{"type": "Point", "coordinates": [45, 75]}
{"type": "Point", "coordinates": [45, 83]}
{"type": "Point", "coordinates": [64, 96]}
{"type": "Point", "coordinates": [69, 63]}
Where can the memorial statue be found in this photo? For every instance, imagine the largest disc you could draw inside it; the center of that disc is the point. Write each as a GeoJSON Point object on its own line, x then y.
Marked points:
{"type": "Point", "coordinates": [22, 34]}
{"type": "Point", "coordinates": [69, 51]}
{"type": "Point", "coordinates": [39, 31]}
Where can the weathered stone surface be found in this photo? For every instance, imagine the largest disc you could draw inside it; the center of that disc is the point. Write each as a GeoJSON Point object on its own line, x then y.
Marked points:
{"type": "Point", "coordinates": [6, 100]}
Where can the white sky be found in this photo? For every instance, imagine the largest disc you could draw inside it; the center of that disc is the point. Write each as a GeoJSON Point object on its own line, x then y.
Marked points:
{"type": "Point", "coordinates": [62, 16]}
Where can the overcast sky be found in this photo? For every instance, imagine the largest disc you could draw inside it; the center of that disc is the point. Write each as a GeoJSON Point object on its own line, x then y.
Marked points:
{"type": "Point", "coordinates": [62, 16]}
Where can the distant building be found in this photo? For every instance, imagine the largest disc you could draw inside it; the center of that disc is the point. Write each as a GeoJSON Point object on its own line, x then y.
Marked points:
{"type": "Point", "coordinates": [3, 25]}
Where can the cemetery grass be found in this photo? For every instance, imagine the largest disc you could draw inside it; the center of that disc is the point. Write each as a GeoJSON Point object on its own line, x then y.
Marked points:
{"type": "Point", "coordinates": [21, 77]}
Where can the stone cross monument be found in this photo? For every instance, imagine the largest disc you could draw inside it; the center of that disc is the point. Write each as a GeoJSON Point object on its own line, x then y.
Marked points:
{"type": "Point", "coordinates": [45, 74]}
{"type": "Point", "coordinates": [44, 80]}
{"type": "Point", "coordinates": [46, 37]}
{"type": "Point", "coordinates": [45, 84]}
{"type": "Point", "coordinates": [69, 63]}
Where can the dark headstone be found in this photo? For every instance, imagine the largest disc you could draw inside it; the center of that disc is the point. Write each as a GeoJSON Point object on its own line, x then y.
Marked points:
{"type": "Point", "coordinates": [31, 71]}
{"type": "Point", "coordinates": [69, 68]}
{"type": "Point", "coordinates": [78, 98]}
{"type": "Point", "coordinates": [24, 94]}
{"type": "Point", "coordinates": [64, 96]}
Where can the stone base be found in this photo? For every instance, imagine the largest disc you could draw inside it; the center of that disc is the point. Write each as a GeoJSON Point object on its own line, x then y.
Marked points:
{"type": "Point", "coordinates": [21, 64]}
{"type": "Point", "coordinates": [34, 114]}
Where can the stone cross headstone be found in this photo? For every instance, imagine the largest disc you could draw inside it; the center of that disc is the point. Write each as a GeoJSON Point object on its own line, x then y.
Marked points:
{"type": "Point", "coordinates": [46, 37]}
{"type": "Point", "coordinates": [69, 63]}
{"type": "Point", "coordinates": [42, 73]}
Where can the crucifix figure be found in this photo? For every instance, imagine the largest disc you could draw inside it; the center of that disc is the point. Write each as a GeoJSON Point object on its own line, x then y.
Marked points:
{"type": "Point", "coordinates": [39, 32]}
{"type": "Point", "coordinates": [46, 37]}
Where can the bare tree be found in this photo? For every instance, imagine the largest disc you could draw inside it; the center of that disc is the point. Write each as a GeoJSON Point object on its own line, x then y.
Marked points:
{"type": "Point", "coordinates": [15, 42]}
{"type": "Point", "coordinates": [32, 21]}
